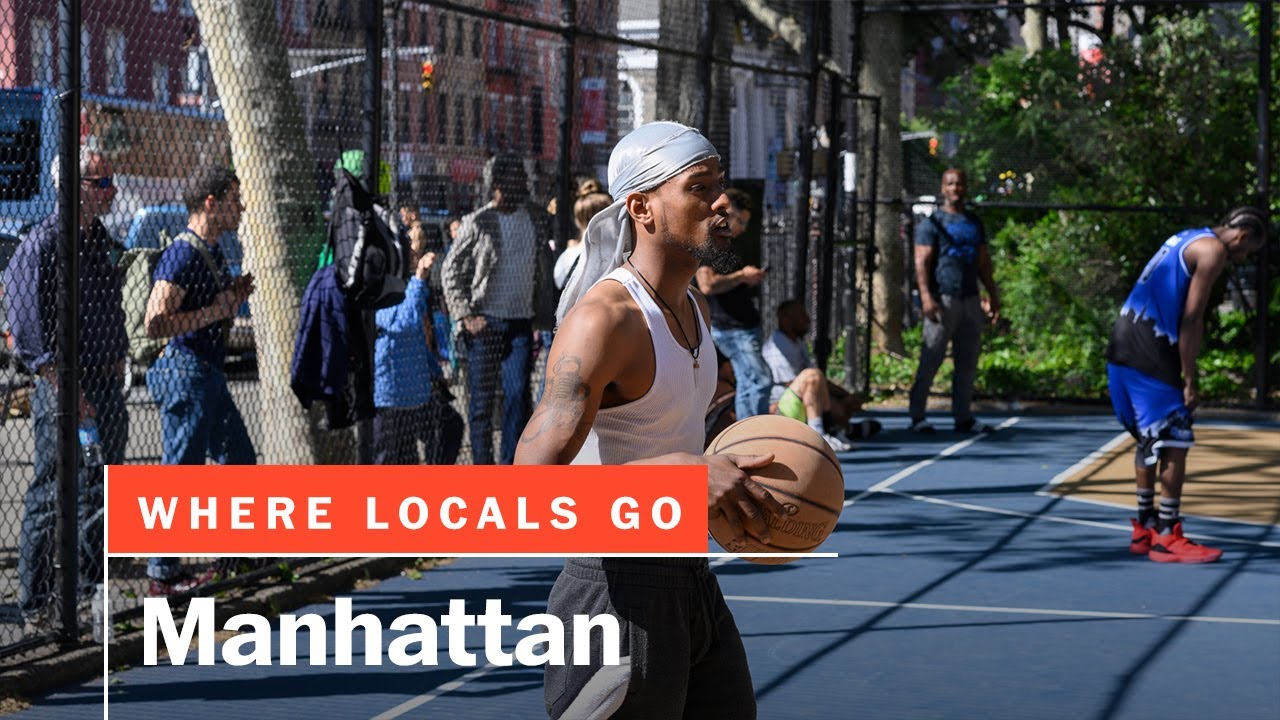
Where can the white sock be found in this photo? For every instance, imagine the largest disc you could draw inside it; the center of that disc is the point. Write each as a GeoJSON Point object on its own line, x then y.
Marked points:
{"type": "Point", "coordinates": [816, 424]}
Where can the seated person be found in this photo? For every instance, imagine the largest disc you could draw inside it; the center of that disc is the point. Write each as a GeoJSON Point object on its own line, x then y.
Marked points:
{"type": "Point", "coordinates": [801, 391]}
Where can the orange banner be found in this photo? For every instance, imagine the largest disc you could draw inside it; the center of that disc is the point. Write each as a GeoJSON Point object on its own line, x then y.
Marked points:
{"type": "Point", "coordinates": [427, 510]}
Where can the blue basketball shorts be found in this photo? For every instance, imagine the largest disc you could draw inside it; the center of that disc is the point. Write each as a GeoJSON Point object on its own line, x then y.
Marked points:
{"type": "Point", "coordinates": [1152, 411]}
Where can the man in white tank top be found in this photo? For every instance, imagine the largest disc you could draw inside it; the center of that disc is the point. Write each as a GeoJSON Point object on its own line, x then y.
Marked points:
{"type": "Point", "coordinates": [630, 375]}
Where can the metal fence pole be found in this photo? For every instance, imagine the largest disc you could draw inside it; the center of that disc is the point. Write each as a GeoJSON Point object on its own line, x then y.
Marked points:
{"type": "Point", "coordinates": [822, 315]}
{"type": "Point", "coordinates": [1262, 339]}
{"type": "Point", "coordinates": [393, 86]}
{"type": "Point", "coordinates": [68, 357]}
{"type": "Point", "coordinates": [853, 123]}
{"type": "Point", "coordinates": [800, 284]}
{"type": "Point", "coordinates": [372, 17]}
{"type": "Point", "coordinates": [372, 132]}
{"type": "Point", "coordinates": [565, 197]}
{"type": "Point", "coordinates": [706, 48]}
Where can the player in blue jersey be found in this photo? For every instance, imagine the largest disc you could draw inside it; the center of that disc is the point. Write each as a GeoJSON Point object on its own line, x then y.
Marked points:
{"type": "Point", "coordinates": [1151, 368]}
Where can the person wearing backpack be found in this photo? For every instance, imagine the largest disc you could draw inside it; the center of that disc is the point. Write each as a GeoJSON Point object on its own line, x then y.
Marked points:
{"type": "Point", "coordinates": [32, 289]}
{"type": "Point", "coordinates": [192, 303]}
{"type": "Point", "coordinates": [951, 256]}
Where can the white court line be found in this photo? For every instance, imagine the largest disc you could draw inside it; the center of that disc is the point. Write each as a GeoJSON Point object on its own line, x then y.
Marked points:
{"type": "Point", "coordinates": [425, 698]}
{"type": "Point", "coordinates": [1129, 507]}
{"type": "Point", "coordinates": [1067, 520]}
{"type": "Point", "coordinates": [1085, 462]}
{"type": "Point", "coordinates": [1005, 610]}
{"type": "Point", "coordinates": [884, 485]}
{"type": "Point", "coordinates": [888, 482]}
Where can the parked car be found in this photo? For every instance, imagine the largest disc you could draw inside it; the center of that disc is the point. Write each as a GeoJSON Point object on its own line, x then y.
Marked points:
{"type": "Point", "coordinates": [12, 375]}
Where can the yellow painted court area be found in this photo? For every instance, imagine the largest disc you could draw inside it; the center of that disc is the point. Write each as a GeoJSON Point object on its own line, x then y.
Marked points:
{"type": "Point", "coordinates": [1233, 473]}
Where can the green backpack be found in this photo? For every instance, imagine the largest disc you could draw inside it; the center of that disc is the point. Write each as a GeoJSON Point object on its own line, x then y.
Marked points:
{"type": "Point", "coordinates": [137, 267]}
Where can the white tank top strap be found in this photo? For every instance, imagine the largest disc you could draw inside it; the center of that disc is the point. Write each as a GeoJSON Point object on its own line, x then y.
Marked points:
{"type": "Point", "coordinates": [670, 416]}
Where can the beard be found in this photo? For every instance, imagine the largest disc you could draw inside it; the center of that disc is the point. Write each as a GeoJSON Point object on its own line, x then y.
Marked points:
{"type": "Point", "coordinates": [723, 259]}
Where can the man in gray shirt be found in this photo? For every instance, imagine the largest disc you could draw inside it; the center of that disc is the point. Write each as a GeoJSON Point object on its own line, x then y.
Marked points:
{"type": "Point", "coordinates": [497, 281]}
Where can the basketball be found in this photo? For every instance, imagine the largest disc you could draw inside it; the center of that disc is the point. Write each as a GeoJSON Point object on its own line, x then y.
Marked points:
{"type": "Point", "coordinates": [805, 477]}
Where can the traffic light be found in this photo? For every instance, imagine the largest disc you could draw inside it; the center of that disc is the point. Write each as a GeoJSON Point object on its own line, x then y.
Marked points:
{"type": "Point", "coordinates": [428, 76]}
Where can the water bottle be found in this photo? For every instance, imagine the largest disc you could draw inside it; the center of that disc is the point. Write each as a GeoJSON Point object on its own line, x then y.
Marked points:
{"type": "Point", "coordinates": [90, 443]}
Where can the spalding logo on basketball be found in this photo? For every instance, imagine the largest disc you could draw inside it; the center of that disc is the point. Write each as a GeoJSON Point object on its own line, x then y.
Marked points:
{"type": "Point", "coordinates": [805, 477]}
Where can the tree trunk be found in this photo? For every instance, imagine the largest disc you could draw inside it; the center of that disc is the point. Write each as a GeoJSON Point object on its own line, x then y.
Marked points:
{"type": "Point", "coordinates": [1034, 28]}
{"type": "Point", "coordinates": [281, 230]}
{"type": "Point", "coordinates": [882, 77]}
{"type": "Point", "coordinates": [680, 96]}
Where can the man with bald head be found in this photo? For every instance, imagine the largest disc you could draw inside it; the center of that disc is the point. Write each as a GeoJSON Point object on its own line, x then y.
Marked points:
{"type": "Point", "coordinates": [951, 257]}
{"type": "Point", "coordinates": [32, 287]}
{"type": "Point", "coordinates": [629, 378]}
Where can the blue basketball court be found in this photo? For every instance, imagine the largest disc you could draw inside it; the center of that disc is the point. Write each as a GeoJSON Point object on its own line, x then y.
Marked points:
{"type": "Point", "coordinates": [966, 587]}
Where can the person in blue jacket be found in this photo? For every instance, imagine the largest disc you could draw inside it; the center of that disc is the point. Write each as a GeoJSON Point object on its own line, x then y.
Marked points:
{"type": "Point", "coordinates": [409, 389]}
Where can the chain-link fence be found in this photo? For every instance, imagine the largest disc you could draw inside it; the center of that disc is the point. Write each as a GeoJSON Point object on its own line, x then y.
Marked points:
{"type": "Point", "coordinates": [187, 258]}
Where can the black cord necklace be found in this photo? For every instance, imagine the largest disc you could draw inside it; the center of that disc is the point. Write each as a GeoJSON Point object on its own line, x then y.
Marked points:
{"type": "Point", "coordinates": [697, 326]}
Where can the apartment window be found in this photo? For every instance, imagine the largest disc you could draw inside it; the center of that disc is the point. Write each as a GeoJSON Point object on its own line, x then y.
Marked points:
{"type": "Point", "coordinates": [86, 67]}
{"type": "Point", "coordinates": [424, 124]}
{"type": "Point", "coordinates": [299, 17]}
{"type": "Point", "coordinates": [458, 118]}
{"type": "Point", "coordinates": [195, 72]}
{"type": "Point", "coordinates": [323, 114]}
{"type": "Point", "coordinates": [442, 119]}
{"type": "Point", "coordinates": [476, 42]}
{"type": "Point", "coordinates": [280, 13]}
{"type": "Point", "coordinates": [459, 38]}
{"type": "Point", "coordinates": [494, 113]}
{"type": "Point", "coordinates": [492, 51]}
{"type": "Point", "coordinates": [535, 122]}
{"type": "Point", "coordinates": [117, 67]}
{"type": "Point", "coordinates": [442, 29]}
{"type": "Point", "coordinates": [626, 108]}
{"type": "Point", "coordinates": [402, 117]}
{"type": "Point", "coordinates": [477, 131]}
{"type": "Point", "coordinates": [43, 71]}
{"type": "Point", "coordinates": [160, 83]}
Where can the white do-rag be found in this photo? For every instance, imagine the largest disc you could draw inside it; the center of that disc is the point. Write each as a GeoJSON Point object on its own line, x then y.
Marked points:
{"type": "Point", "coordinates": [647, 157]}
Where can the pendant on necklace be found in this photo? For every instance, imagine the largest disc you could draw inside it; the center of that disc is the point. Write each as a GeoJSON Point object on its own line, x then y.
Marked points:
{"type": "Point", "coordinates": [695, 364]}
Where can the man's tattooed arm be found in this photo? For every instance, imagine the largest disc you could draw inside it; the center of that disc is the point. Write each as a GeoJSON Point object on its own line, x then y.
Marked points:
{"type": "Point", "coordinates": [564, 401]}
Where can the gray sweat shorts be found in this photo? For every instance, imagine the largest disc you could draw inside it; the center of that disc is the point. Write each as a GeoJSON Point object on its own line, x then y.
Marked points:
{"type": "Point", "coordinates": [681, 655]}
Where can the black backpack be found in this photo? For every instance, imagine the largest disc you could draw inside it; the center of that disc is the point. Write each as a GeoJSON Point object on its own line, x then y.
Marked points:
{"type": "Point", "coordinates": [370, 252]}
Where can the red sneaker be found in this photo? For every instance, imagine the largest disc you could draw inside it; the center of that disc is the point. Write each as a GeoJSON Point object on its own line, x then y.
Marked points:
{"type": "Point", "coordinates": [1140, 543]}
{"type": "Point", "coordinates": [1174, 547]}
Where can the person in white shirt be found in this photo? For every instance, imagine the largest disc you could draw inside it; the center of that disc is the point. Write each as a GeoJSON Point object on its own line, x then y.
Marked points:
{"type": "Point", "coordinates": [584, 208]}
{"type": "Point", "coordinates": [801, 391]}
{"type": "Point", "coordinates": [629, 377]}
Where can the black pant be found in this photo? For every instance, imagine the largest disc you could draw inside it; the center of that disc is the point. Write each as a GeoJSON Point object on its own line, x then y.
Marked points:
{"type": "Point", "coordinates": [397, 432]}
{"type": "Point", "coordinates": [686, 658]}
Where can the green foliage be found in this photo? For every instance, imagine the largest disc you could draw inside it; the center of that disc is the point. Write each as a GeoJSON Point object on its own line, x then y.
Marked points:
{"type": "Point", "coordinates": [1168, 121]}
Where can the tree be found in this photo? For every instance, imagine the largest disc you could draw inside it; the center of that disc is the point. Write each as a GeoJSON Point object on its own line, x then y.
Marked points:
{"type": "Point", "coordinates": [1168, 121]}
{"type": "Point", "coordinates": [1033, 28]}
{"type": "Point", "coordinates": [680, 95]}
{"type": "Point", "coordinates": [282, 223]}
{"type": "Point", "coordinates": [882, 61]}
